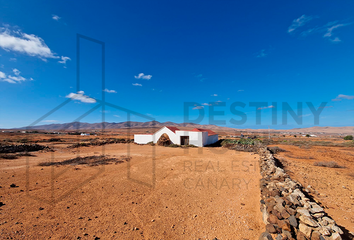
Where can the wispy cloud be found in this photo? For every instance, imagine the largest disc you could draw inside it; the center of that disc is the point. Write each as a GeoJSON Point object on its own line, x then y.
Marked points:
{"type": "Point", "coordinates": [55, 17]}
{"type": "Point", "coordinates": [13, 79]}
{"type": "Point", "coordinates": [50, 121]}
{"type": "Point", "coordinates": [116, 116]}
{"type": "Point", "coordinates": [240, 90]}
{"type": "Point", "coordinates": [64, 60]}
{"type": "Point", "coordinates": [271, 106]}
{"type": "Point", "coordinates": [342, 96]}
{"type": "Point", "coordinates": [81, 97]}
{"type": "Point", "coordinates": [13, 59]}
{"type": "Point", "coordinates": [200, 77]}
{"type": "Point", "coordinates": [143, 76]}
{"type": "Point", "coordinates": [137, 84]}
{"type": "Point", "coordinates": [262, 53]}
{"type": "Point", "coordinates": [109, 91]}
{"type": "Point", "coordinates": [2, 75]}
{"type": "Point", "coordinates": [327, 30]}
{"type": "Point", "coordinates": [206, 104]}
{"type": "Point", "coordinates": [16, 71]}
{"type": "Point", "coordinates": [198, 107]}
{"type": "Point", "coordinates": [214, 95]}
{"type": "Point", "coordinates": [299, 22]}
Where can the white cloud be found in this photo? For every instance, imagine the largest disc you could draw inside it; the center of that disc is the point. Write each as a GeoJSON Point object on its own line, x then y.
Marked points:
{"type": "Point", "coordinates": [55, 17]}
{"type": "Point", "coordinates": [16, 71]}
{"type": "Point", "coordinates": [198, 107]}
{"type": "Point", "coordinates": [29, 44]}
{"type": "Point", "coordinates": [342, 96]}
{"type": "Point", "coordinates": [116, 116]}
{"type": "Point", "coordinates": [13, 79]}
{"type": "Point", "coordinates": [109, 91]}
{"type": "Point", "coordinates": [13, 59]}
{"type": "Point", "coordinates": [240, 90]}
{"type": "Point", "coordinates": [2, 75]}
{"type": "Point", "coordinates": [206, 104]}
{"type": "Point", "coordinates": [271, 106]}
{"type": "Point", "coordinates": [328, 30]}
{"type": "Point", "coordinates": [261, 53]}
{"type": "Point", "coordinates": [335, 40]}
{"type": "Point", "coordinates": [301, 21]}
{"type": "Point", "coordinates": [64, 59]}
{"type": "Point", "coordinates": [50, 121]}
{"type": "Point", "coordinates": [143, 76]}
{"type": "Point", "coordinates": [81, 97]}
{"type": "Point", "coordinates": [137, 84]}
{"type": "Point", "coordinates": [214, 95]}
{"type": "Point", "coordinates": [331, 27]}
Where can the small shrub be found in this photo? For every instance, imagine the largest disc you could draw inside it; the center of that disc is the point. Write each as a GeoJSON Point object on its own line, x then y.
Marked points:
{"type": "Point", "coordinates": [348, 137]}
{"type": "Point", "coordinates": [307, 135]}
{"type": "Point", "coordinates": [174, 145]}
{"type": "Point", "coordinates": [55, 140]}
{"type": "Point", "coordinates": [8, 156]}
{"type": "Point", "coordinates": [151, 143]}
{"type": "Point", "coordinates": [276, 149]}
{"type": "Point", "coordinates": [295, 136]}
{"type": "Point", "coordinates": [330, 164]}
{"type": "Point", "coordinates": [191, 145]}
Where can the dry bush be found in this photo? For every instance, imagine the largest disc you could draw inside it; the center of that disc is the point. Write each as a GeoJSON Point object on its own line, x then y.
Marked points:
{"type": "Point", "coordinates": [89, 160]}
{"type": "Point", "coordinates": [8, 156]}
{"type": "Point", "coordinates": [299, 157]}
{"type": "Point", "coordinates": [330, 164]}
{"type": "Point", "coordinates": [276, 149]}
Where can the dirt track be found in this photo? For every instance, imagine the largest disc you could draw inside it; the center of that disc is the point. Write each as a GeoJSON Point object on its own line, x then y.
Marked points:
{"type": "Point", "coordinates": [197, 195]}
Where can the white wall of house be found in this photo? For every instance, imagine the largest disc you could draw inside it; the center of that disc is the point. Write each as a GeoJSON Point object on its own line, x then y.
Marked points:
{"type": "Point", "coordinates": [212, 139]}
{"type": "Point", "coordinates": [142, 138]}
{"type": "Point", "coordinates": [199, 139]}
{"type": "Point", "coordinates": [195, 138]}
{"type": "Point", "coordinates": [173, 137]}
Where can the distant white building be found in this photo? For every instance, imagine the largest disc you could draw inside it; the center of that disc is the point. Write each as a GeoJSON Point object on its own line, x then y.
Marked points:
{"type": "Point", "coordinates": [197, 136]}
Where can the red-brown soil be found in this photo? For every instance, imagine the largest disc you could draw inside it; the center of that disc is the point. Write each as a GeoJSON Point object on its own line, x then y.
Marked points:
{"type": "Point", "coordinates": [198, 194]}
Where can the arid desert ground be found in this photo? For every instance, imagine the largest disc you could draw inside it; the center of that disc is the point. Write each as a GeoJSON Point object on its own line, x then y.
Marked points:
{"type": "Point", "coordinates": [156, 192]}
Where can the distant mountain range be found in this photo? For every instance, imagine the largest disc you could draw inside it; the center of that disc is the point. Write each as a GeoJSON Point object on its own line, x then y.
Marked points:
{"type": "Point", "coordinates": [121, 125]}
{"type": "Point", "coordinates": [113, 125]}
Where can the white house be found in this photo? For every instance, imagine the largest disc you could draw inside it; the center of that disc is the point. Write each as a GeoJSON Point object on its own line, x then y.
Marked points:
{"type": "Point", "coordinates": [197, 136]}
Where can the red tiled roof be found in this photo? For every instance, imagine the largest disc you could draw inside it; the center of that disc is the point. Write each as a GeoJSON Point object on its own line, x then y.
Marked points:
{"type": "Point", "coordinates": [204, 130]}
{"type": "Point", "coordinates": [173, 129]}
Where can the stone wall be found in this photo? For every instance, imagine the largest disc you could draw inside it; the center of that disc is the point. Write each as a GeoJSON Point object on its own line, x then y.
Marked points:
{"type": "Point", "coordinates": [287, 210]}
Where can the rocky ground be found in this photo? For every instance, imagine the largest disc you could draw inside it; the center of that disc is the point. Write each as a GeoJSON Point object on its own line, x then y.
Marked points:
{"type": "Point", "coordinates": [289, 210]}
{"type": "Point", "coordinates": [333, 187]}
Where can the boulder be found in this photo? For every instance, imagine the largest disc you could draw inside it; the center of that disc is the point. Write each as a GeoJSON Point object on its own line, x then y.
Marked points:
{"type": "Point", "coordinates": [293, 221]}
{"type": "Point", "coordinates": [271, 228]}
{"type": "Point", "coordinates": [308, 221]}
{"type": "Point", "coordinates": [272, 219]}
{"type": "Point", "coordinates": [284, 224]}
{"type": "Point", "coordinates": [265, 236]}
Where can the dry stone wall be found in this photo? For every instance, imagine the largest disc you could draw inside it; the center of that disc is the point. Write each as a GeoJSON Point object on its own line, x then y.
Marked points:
{"type": "Point", "coordinates": [287, 211]}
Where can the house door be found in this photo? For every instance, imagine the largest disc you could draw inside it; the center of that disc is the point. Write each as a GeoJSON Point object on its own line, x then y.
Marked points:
{"type": "Point", "coordinates": [184, 140]}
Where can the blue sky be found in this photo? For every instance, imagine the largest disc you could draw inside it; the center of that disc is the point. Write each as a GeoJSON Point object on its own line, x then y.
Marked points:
{"type": "Point", "coordinates": [162, 54]}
